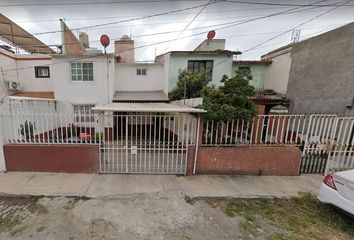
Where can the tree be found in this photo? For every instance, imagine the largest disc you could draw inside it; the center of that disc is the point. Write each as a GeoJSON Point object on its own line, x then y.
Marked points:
{"type": "Point", "coordinates": [229, 101]}
{"type": "Point", "coordinates": [189, 84]}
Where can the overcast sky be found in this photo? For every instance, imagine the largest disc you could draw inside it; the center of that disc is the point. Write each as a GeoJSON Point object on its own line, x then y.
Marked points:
{"type": "Point", "coordinates": [42, 18]}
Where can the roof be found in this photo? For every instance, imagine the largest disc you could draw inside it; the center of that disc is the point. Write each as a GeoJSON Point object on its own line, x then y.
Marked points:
{"type": "Point", "coordinates": [260, 62]}
{"type": "Point", "coordinates": [42, 95]}
{"type": "Point", "coordinates": [10, 32]}
{"type": "Point", "coordinates": [140, 96]}
{"type": "Point", "coordinates": [280, 49]}
{"type": "Point", "coordinates": [214, 52]}
{"type": "Point", "coordinates": [147, 107]}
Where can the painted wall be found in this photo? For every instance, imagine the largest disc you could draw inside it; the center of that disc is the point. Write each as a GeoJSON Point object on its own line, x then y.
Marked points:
{"type": "Point", "coordinates": [79, 158]}
{"type": "Point", "coordinates": [177, 63]}
{"type": "Point", "coordinates": [321, 76]}
{"type": "Point", "coordinates": [256, 160]}
{"type": "Point", "coordinates": [258, 72]}
{"type": "Point", "coordinates": [126, 78]}
{"type": "Point", "coordinates": [3, 108]}
{"type": "Point", "coordinates": [99, 91]}
{"type": "Point", "coordinates": [25, 74]}
{"type": "Point", "coordinates": [277, 75]}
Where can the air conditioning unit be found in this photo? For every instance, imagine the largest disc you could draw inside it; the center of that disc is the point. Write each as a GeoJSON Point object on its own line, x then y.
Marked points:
{"type": "Point", "coordinates": [13, 85]}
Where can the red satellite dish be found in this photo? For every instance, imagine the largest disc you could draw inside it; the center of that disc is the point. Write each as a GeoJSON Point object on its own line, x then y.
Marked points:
{"type": "Point", "coordinates": [211, 34]}
{"type": "Point", "coordinates": [104, 40]}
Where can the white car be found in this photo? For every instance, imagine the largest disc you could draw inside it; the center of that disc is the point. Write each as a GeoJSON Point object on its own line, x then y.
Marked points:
{"type": "Point", "coordinates": [338, 189]}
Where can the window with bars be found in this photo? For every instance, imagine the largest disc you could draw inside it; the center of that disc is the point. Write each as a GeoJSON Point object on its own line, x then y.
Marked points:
{"type": "Point", "coordinates": [197, 66]}
{"type": "Point", "coordinates": [81, 71]}
{"type": "Point", "coordinates": [41, 72]}
{"type": "Point", "coordinates": [141, 71]}
{"type": "Point", "coordinates": [83, 113]}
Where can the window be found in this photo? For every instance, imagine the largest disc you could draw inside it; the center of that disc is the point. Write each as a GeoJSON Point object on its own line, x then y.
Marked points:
{"type": "Point", "coordinates": [83, 113]}
{"type": "Point", "coordinates": [41, 72]}
{"type": "Point", "coordinates": [141, 71]}
{"type": "Point", "coordinates": [82, 71]}
{"type": "Point", "coordinates": [245, 69]}
{"type": "Point", "coordinates": [197, 66]}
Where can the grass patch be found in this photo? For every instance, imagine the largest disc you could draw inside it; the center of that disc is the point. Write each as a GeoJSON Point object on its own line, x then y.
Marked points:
{"type": "Point", "coordinates": [189, 200]}
{"type": "Point", "coordinates": [40, 229]}
{"type": "Point", "coordinates": [302, 217]}
{"type": "Point", "coordinates": [73, 200]}
{"type": "Point", "coordinates": [18, 231]}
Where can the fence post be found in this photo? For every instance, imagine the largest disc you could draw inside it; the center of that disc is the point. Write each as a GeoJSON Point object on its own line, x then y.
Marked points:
{"type": "Point", "coordinates": [198, 142]}
{"type": "Point", "coordinates": [2, 137]}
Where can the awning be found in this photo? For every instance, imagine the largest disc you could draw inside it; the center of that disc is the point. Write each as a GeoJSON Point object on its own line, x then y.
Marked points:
{"type": "Point", "coordinates": [147, 107]}
{"type": "Point", "coordinates": [10, 32]}
{"type": "Point", "coordinates": [140, 96]}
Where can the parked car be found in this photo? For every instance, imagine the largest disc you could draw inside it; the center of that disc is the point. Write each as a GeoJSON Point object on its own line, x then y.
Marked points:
{"type": "Point", "coordinates": [338, 189]}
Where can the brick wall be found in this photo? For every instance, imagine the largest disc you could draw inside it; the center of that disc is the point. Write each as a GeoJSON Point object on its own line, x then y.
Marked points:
{"type": "Point", "coordinates": [257, 160]}
{"type": "Point", "coordinates": [66, 158]}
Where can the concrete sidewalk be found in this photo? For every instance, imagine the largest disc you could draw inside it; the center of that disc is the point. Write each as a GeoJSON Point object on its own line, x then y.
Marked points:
{"type": "Point", "coordinates": [199, 186]}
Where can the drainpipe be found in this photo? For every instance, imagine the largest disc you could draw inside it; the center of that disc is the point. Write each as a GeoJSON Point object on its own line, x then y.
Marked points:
{"type": "Point", "coordinates": [196, 146]}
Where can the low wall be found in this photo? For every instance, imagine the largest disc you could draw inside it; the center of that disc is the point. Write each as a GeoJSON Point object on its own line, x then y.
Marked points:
{"type": "Point", "coordinates": [255, 160]}
{"type": "Point", "coordinates": [68, 158]}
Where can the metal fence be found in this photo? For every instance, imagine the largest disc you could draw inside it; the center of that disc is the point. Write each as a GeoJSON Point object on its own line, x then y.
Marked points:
{"type": "Point", "coordinates": [326, 140]}
{"type": "Point", "coordinates": [147, 143]}
{"type": "Point", "coordinates": [262, 130]}
{"type": "Point", "coordinates": [50, 128]}
{"type": "Point", "coordinates": [341, 156]}
{"type": "Point", "coordinates": [158, 143]}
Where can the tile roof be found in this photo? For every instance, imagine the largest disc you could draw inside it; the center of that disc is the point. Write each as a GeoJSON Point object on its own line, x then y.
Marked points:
{"type": "Point", "coordinates": [146, 107]}
{"type": "Point", "coordinates": [265, 62]}
{"type": "Point", "coordinates": [214, 52]}
{"type": "Point", "coordinates": [140, 96]}
{"type": "Point", "coordinates": [45, 95]}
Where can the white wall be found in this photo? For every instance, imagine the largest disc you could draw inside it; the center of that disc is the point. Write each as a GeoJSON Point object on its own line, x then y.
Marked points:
{"type": "Point", "coordinates": [6, 64]}
{"type": "Point", "coordinates": [277, 76]}
{"type": "Point", "coordinates": [25, 74]}
{"type": "Point", "coordinates": [27, 79]}
{"type": "Point", "coordinates": [97, 92]}
{"type": "Point", "coordinates": [127, 80]}
{"type": "Point", "coordinates": [3, 108]}
{"type": "Point", "coordinates": [177, 63]}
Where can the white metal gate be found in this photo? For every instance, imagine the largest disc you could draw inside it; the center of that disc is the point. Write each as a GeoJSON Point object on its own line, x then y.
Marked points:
{"type": "Point", "coordinates": [341, 156]}
{"type": "Point", "coordinates": [146, 143]}
{"type": "Point", "coordinates": [317, 142]}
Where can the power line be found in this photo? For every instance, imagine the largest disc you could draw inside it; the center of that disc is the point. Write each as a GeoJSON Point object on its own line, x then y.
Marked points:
{"type": "Point", "coordinates": [151, 1]}
{"type": "Point", "coordinates": [191, 21]}
{"type": "Point", "coordinates": [171, 40]}
{"type": "Point", "coordinates": [127, 20]}
{"type": "Point", "coordinates": [90, 3]}
{"type": "Point", "coordinates": [281, 4]}
{"type": "Point", "coordinates": [226, 25]}
{"type": "Point", "coordinates": [299, 25]}
{"type": "Point", "coordinates": [125, 16]}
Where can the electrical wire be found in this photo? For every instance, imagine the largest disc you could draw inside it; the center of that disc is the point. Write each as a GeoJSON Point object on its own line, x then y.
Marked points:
{"type": "Point", "coordinates": [297, 26]}
{"type": "Point", "coordinates": [126, 20]}
{"type": "Point", "coordinates": [171, 40]}
{"type": "Point", "coordinates": [191, 21]}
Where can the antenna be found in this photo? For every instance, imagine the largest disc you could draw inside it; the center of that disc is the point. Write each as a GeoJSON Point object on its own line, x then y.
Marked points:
{"type": "Point", "coordinates": [295, 36]}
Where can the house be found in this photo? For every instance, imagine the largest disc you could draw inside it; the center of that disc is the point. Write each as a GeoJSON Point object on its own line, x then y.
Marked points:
{"type": "Point", "coordinates": [258, 69]}
{"type": "Point", "coordinates": [278, 72]}
{"type": "Point", "coordinates": [316, 74]}
{"type": "Point", "coordinates": [209, 55]}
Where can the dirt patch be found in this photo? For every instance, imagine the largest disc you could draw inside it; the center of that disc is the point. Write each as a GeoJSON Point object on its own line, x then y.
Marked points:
{"type": "Point", "coordinates": [169, 215]}
{"type": "Point", "coordinates": [13, 210]}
